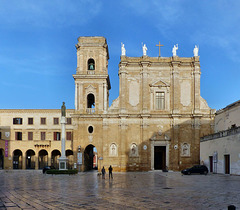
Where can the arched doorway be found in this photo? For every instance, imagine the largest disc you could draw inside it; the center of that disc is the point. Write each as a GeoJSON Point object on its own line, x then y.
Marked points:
{"type": "Point", "coordinates": [30, 159]}
{"type": "Point", "coordinates": [1, 159]}
{"type": "Point", "coordinates": [17, 159]}
{"type": "Point", "coordinates": [69, 155]}
{"type": "Point", "coordinates": [54, 159]}
{"type": "Point", "coordinates": [42, 159]}
{"type": "Point", "coordinates": [90, 158]}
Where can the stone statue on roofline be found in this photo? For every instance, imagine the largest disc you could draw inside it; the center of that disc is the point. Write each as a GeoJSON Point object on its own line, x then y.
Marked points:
{"type": "Point", "coordinates": [195, 51]}
{"type": "Point", "coordinates": [174, 50]}
{"type": "Point", "coordinates": [123, 50]}
{"type": "Point", "coordinates": [144, 47]}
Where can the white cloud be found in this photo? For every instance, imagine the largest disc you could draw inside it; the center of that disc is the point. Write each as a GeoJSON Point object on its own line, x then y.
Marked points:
{"type": "Point", "coordinates": [33, 65]}
{"type": "Point", "coordinates": [215, 23]}
{"type": "Point", "coordinates": [163, 15]}
{"type": "Point", "coordinates": [220, 30]}
{"type": "Point", "coordinates": [20, 85]}
{"type": "Point", "coordinates": [158, 11]}
{"type": "Point", "coordinates": [45, 12]}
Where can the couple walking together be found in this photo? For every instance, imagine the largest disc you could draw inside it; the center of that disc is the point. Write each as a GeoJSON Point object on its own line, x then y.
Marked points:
{"type": "Point", "coordinates": [110, 169]}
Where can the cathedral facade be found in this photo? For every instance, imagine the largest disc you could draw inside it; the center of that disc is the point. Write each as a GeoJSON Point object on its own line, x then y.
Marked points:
{"type": "Point", "coordinates": [155, 123]}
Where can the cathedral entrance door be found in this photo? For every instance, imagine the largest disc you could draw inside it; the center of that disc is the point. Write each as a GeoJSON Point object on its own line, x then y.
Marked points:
{"type": "Point", "coordinates": [159, 157]}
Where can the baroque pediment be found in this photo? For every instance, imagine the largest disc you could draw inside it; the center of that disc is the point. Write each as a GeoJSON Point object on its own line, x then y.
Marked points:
{"type": "Point", "coordinates": [90, 89]}
{"type": "Point", "coordinates": [160, 137]}
{"type": "Point", "coordinates": [159, 83]}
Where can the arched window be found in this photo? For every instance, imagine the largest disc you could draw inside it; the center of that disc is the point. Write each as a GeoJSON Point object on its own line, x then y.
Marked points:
{"type": "Point", "coordinates": [90, 101]}
{"type": "Point", "coordinates": [91, 64]}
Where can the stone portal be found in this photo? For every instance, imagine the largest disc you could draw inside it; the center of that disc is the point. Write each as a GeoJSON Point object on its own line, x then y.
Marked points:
{"type": "Point", "coordinates": [159, 157]}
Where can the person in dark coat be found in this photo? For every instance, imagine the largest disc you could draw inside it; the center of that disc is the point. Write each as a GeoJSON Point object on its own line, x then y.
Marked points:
{"type": "Point", "coordinates": [103, 172]}
{"type": "Point", "coordinates": [110, 169]}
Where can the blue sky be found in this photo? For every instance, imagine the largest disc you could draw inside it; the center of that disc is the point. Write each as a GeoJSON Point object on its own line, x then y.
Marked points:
{"type": "Point", "coordinates": [38, 55]}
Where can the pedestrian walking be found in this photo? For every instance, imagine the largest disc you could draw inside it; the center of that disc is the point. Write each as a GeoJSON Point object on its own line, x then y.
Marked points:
{"type": "Point", "coordinates": [110, 169]}
{"type": "Point", "coordinates": [103, 172]}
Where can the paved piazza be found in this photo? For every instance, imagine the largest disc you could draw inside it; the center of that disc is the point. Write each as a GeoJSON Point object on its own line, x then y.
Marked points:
{"type": "Point", "coordinates": [133, 190]}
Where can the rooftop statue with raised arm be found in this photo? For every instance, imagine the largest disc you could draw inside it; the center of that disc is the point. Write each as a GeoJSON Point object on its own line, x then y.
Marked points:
{"type": "Point", "coordinates": [174, 50]}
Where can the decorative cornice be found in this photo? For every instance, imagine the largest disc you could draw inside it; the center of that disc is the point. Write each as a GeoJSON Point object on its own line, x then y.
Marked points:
{"type": "Point", "coordinates": [69, 111]}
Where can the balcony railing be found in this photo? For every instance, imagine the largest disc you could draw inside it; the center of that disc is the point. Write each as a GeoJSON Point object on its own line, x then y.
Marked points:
{"type": "Point", "coordinates": [91, 72]}
{"type": "Point", "coordinates": [90, 110]}
{"type": "Point", "coordinates": [221, 134]}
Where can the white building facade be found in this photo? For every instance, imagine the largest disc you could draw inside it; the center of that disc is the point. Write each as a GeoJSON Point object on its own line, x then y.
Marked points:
{"type": "Point", "coordinates": [220, 152]}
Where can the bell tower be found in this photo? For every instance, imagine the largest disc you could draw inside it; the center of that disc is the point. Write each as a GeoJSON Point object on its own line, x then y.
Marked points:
{"type": "Point", "coordinates": [92, 82]}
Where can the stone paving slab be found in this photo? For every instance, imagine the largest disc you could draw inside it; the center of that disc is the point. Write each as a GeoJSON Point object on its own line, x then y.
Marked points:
{"type": "Point", "coordinates": [30, 189]}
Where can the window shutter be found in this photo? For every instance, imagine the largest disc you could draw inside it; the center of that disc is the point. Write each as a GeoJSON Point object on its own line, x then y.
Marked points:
{"type": "Point", "coordinates": [30, 135]}
{"type": "Point", "coordinates": [43, 135]}
{"type": "Point", "coordinates": [69, 135]}
{"type": "Point", "coordinates": [43, 121]}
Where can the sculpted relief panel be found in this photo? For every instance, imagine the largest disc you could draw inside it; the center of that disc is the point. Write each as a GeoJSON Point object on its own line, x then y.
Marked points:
{"type": "Point", "coordinates": [185, 150]}
{"type": "Point", "coordinates": [133, 150]}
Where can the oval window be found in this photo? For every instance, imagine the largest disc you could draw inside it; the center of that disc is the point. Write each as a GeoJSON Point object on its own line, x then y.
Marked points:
{"type": "Point", "coordinates": [90, 129]}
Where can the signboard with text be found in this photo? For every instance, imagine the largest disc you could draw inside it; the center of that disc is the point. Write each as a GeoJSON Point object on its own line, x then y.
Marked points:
{"type": "Point", "coordinates": [79, 158]}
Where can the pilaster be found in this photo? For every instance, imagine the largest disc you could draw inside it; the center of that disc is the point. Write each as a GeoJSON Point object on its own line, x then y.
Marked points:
{"type": "Point", "coordinates": [196, 140]}
{"type": "Point", "coordinates": [36, 162]}
{"type": "Point", "coordinates": [145, 147]}
{"type": "Point", "coordinates": [123, 89]}
{"type": "Point", "coordinates": [105, 96]}
{"type": "Point", "coordinates": [76, 96]}
{"type": "Point", "coordinates": [24, 161]}
{"type": "Point", "coordinates": [196, 74]}
{"type": "Point", "coordinates": [123, 139]}
{"type": "Point", "coordinates": [145, 87]}
{"type": "Point", "coordinates": [175, 86]}
{"type": "Point", "coordinates": [175, 154]}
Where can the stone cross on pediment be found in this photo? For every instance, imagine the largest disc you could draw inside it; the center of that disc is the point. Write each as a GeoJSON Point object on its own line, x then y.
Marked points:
{"type": "Point", "coordinates": [159, 45]}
